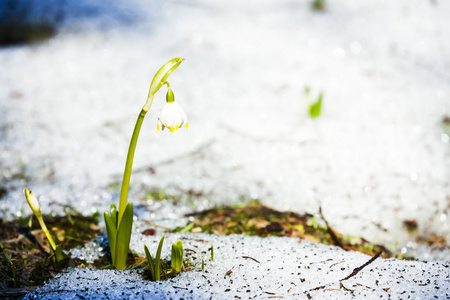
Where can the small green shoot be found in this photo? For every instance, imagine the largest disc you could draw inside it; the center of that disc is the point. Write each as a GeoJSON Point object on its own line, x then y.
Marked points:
{"type": "Point", "coordinates": [212, 252]}
{"type": "Point", "coordinates": [155, 264]}
{"type": "Point", "coordinates": [34, 205]}
{"type": "Point", "coordinates": [188, 228]}
{"type": "Point", "coordinates": [315, 108]}
{"type": "Point", "coordinates": [203, 264]}
{"type": "Point", "coordinates": [177, 256]}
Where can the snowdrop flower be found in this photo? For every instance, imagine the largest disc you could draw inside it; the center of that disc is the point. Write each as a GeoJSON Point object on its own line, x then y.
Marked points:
{"type": "Point", "coordinates": [171, 115]}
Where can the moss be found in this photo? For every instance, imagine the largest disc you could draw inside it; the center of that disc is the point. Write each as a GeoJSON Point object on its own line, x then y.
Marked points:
{"type": "Point", "coordinates": [263, 221]}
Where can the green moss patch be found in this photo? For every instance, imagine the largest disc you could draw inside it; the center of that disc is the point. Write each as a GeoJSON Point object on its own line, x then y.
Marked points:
{"type": "Point", "coordinates": [263, 221]}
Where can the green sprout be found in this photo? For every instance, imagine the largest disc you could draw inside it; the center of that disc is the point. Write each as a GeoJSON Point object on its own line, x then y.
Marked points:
{"type": "Point", "coordinates": [315, 108]}
{"type": "Point", "coordinates": [212, 252]}
{"type": "Point", "coordinates": [155, 264]}
{"type": "Point", "coordinates": [188, 228]}
{"type": "Point", "coordinates": [119, 222]}
{"type": "Point", "coordinates": [177, 256]}
{"type": "Point", "coordinates": [34, 205]}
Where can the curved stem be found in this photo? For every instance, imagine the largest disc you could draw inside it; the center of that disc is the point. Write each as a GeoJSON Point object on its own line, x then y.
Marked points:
{"type": "Point", "coordinates": [129, 165]}
{"type": "Point", "coordinates": [45, 230]}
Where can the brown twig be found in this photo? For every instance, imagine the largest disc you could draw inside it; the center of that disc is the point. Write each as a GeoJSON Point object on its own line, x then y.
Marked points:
{"type": "Point", "coordinates": [315, 289]}
{"type": "Point", "coordinates": [179, 287]}
{"type": "Point", "coordinates": [345, 289]}
{"type": "Point", "coordinates": [333, 234]}
{"type": "Point", "coordinates": [250, 258]}
{"type": "Point", "coordinates": [270, 293]}
{"type": "Point", "coordinates": [363, 285]}
{"type": "Point", "coordinates": [337, 263]}
{"type": "Point", "coordinates": [356, 270]}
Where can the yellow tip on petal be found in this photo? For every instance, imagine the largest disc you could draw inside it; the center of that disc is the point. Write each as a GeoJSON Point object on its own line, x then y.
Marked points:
{"type": "Point", "coordinates": [187, 126]}
{"type": "Point", "coordinates": [176, 127]}
{"type": "Point", "coordinates": [157, 127]}
{"type": "Point", "coordinates": [171, 129]}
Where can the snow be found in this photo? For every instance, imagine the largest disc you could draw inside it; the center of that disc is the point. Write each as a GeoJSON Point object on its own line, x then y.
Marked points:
{"type": "Point", "coordinates": [259, 268]}
{"type": "Point", "coordinates": [378, 155]}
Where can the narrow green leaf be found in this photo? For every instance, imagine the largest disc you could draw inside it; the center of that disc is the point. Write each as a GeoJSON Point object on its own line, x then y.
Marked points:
{"type": "Point", "coordinates": [112, 235]}
{"type": "Point", "coordinates": [187, 228]}
{"type": "Point", "coordinates": [158, 259]}
{"type": "Point", "coordinates": [177, 256]}
{"type": "Point", "coordinates": [180, 246]}
{"type": "Point", "coordinates": [180, 250]}
{"type": "Point", "coordinates": [174, 257]}
{"type": "Point", "coordinates": [212, 252]}
{"type": "Point", "coordinates": [6, 254]}
{"type": "Point", "coordinates": [162, 75]}
{"type": "Point", "coordinates": [114, 214]}
{"type": "Point", "coordinates": [123, 237]}
{"type": "Point", "coordinates": [316, 107]}
{"type": "Point", "coordinates": [150, 261]}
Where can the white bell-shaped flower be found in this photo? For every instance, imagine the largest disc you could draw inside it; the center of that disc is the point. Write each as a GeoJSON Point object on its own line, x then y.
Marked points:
{"type": "Point", "coordinates": [171, 115]}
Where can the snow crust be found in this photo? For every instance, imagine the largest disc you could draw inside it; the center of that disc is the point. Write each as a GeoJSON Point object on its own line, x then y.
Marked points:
{"type": "Point", "coordinates": [378, 155]}
{"type": "Point", "coordinates": [259, 268]}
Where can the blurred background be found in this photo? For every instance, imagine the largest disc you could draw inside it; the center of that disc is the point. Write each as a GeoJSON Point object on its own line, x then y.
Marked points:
{"type": "Point", "coordinates": [75, 74]}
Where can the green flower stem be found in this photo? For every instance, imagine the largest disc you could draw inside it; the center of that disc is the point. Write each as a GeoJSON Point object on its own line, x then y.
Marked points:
{"type": "Point", "coordinates": [34, 205]}
{"type": "Point", "coordinates": [158, 81]}
{"type": "Point", "coordinates": [129, 165]}
{"type": "Point", "coordinates": [45, 230]}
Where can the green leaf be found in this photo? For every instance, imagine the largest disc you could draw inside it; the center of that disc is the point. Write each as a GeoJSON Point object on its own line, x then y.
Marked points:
{"type": "Point", "coordinates": [150, 261]}
{"type": "Point", "coordinates": [158, 259]}
{"type": "Point", "coordinates": [58, 253]}
{"type": "Point", "coordinates": [177, 256]}
{"type": "Point", "coordinates": [123, 237]}
{"type": "Point", "coordinates": [112, 235]}
{"type": "Point", "coordinates": [6, 254]}
{"type": "Point", "coordinates": [316, 107]}
{"type": "Point", "coordinates": [114, 214]}
{"type": "Point", "coordinates": [212, 252]}
{"type": "Point", "coordinates": [162, 75]}
{"type": "Point", "coordinates": [188, 228]}
{"type": "Point", "coordinates": [174, 257]}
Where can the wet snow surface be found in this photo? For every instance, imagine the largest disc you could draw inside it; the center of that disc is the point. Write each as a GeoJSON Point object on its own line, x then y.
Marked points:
{"type": "Point", "coordinates": [378, 155]}
{"type": "Point", "coordinates": [260, 268]}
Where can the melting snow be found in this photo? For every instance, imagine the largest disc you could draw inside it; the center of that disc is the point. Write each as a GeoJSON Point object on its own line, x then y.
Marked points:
{"type": "Point", "coordinates": [379, 154]}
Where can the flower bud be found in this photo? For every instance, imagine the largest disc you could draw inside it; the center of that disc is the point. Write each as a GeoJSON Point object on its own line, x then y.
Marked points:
{"type": "Point", "coordinates": [32, 201]}
{"type": "Point", "coordinates": [170, 96]}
